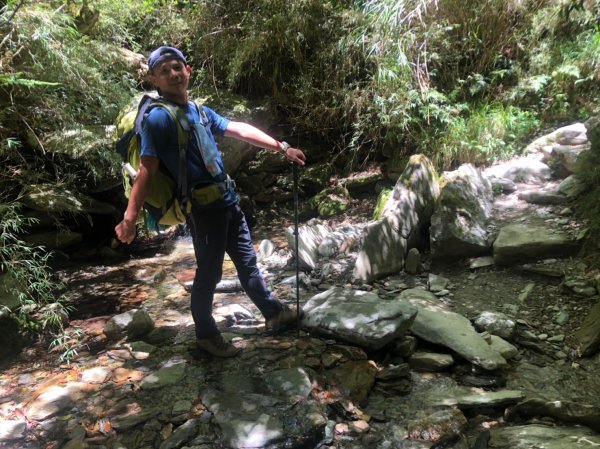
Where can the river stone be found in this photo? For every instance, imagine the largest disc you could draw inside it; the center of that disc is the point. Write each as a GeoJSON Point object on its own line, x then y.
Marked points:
{"type": "Point", "coordinates": [354, 379]}
{"type": "Point", "coordinates": [572, 187]}
{"type": "Point", "coordinates": [289, 382]}
{"type": "Point", "coordinates": [438, 425]}
{"type": "Point", "coordinates": [483, 399]}
{"type": "Point", "coordinates": [181, 435]}
{"type": "Point", "coordinates": [459, 223]}
{"type": "Point", "coordinates": [407, 209]}
{"type": "Point", "coordinates": [568, 156]}
{"type": "Point", "coordinates": [504, 348]}
{"type": "Point", "coordinates": [358, 317]}
{"type": "Point", "coordinates": [133, 324]}
{"type": "Point", "coordinates": [249, 420]}
{"type": "Point", "coordinates": [309, 238]}
{"type": "Point", "coordinates": [435, 323]}
{"type": "Point", "coordinates": [170, 374]}
{"type": "Point", "coordinates": [430, 361]}
{"type": "Point", "coordinates": [382, 252]}
{"type": "Point", "coordinates": [57, 398]}
{"type": "Point", "coordinates": [495, 323]}
{"type": "Point", "coordinates": [543, 197]}
{"type": "Point", "coordinates": [12, 430]}
{"type": "Point", "coordinates": [565, 411]}
{"type": "Point", "coordinates": [518, 243]}
{"type": "Point", "coordinates": [543, 437]}
{"type": "Point", "coordinates": [412, 264]}
{"type": "Point", "coordinates": [55, 200]}
{"type": "Point", "coordinates": [98, 375]}
{"type": "Point", "coordinates": [527, 170]}
{"type": "Point", "coordinates": [437, 283]}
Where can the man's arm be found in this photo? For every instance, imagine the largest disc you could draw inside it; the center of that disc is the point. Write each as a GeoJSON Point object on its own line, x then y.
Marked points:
{"type": "Point", "coordinates": [254, 136]}
{"type": "Point", "coordinates": [125, 230]}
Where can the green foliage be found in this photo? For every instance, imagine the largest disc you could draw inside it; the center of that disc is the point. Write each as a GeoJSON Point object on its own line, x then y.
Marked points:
{"type": "Point", "coordinates": [484, 135]}
{"type": "Point", "coordinates": [39, 309]}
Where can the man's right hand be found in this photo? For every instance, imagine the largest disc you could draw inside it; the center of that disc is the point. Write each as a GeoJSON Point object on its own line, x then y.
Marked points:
{"type": "Point", "coordinates": [125, 230]}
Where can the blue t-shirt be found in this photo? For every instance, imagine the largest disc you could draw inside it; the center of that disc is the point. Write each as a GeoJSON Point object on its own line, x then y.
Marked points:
{"type": "Point", "coordinates": [159, 139]}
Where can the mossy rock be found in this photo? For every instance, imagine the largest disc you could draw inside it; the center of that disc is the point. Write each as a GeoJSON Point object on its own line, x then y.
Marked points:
{"type": "Point", "coordinates": [332, 205]}
{"type": "Point", "coordinates": [381, 202]}
{"type": "Point", "coordinates": [315, 177]}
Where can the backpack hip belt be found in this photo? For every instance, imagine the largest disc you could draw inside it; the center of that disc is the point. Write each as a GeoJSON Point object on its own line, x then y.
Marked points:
{"type": "Point", "coordinates": [212, 193]}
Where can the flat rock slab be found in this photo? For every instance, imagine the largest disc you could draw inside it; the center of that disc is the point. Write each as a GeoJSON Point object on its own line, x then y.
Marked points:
{"type": "Point", "coordinates": [484, 399]}
{"type": "Point", "coordinates": [565, 411]}
{"type": "Point", "coordinates": [543, 437]}
{"type": "Point", "coordinates": [358, 317]}
{"type": "Point", "coordinates": [518, 243]}
{"type": "Point", "coordinates": [436, 324]}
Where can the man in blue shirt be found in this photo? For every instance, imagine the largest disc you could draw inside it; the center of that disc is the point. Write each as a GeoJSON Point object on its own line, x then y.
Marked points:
{"type": "Point", "coordinates": [217, 226]}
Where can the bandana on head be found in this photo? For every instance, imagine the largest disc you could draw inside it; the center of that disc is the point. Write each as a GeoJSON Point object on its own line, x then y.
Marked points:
{"type": "Point", "coordinates": [162, 54]}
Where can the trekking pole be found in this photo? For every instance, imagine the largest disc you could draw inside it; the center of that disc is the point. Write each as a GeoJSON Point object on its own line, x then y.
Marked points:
{"type": "Point", "coordinates": [295, 169]}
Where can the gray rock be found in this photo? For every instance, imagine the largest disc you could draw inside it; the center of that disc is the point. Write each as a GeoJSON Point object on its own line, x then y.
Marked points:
{"type": "Point", "coordinates": [504, 348]}
{"type": "Point", "coordinates": [526, 170]}
{"type": "Point", "coordinates": [132, 324]}
{"type": "Point", "coordinates": [358, 317]}
{"type": "Point", "coordinates": [542, 436]}
{"type": "Point", "coordinates": [481, 262]}
{"type": "Point", "coordinates": [54, 240]}
{"type": "Point", "coordinates": [519, 243]}
{"type": "Point", "coordinates": [495, 323]}
{"type": "Point", "coordinates": [291, 382]}
{"type": "Point", "coordinates": [57, 398]}
{"type": "Point", "coordinates": [309, 238]}
{"type": "Point", "coordinates": [565, 411]}
{"type": "Point", "coordinates": [265, 249]}
{"type": "Point", "coordinates": [407, 208]}
{"type": "Point", "coordinates": [437, 283]}
{"type": "Point", "coordinates": [483, 399]}
{"type": "Point", "coordinates": [436, 324]}
{"type": "Point", "coordinates": [181, 435]}
{"type": "Point", "coordinates": [170, 374]}
{"type": "Point", "coordinates": [572, 187]}
{"type": "Point", "coordinates": [12, 430]}
{"type": "Point", "coordinates": [429, 361]}
{"type": "Point", "coordinates": [439, 425]}
{"type": "Point", "coordinates": [459, 223]}
{"type": "Point", "coordinates": [55, 200]}
{"type": "Point", "coordinates": [412, 264]}
{"type": "Point", "coordinates": [543, 197]}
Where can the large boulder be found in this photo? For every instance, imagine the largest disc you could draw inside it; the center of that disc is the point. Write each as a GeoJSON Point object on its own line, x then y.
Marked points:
{"type": "Point", "coordinates": [408, 209]}
{"type": "Point", "coordinates": [458, 226]}
{"type": "Point", "coordinates": [517, 243]}
{"type": "Point", "coordinates": [358, 317]}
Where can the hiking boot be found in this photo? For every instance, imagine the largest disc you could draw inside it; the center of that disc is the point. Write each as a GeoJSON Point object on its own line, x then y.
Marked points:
{"type": "Point", "coordinates": [283, 320]}
{"type": "Point", "coordinates": [217, 346]}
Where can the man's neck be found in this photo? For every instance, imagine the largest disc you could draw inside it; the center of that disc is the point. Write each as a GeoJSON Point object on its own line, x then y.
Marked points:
{"type": "Point", "coordinates": [181, 100]}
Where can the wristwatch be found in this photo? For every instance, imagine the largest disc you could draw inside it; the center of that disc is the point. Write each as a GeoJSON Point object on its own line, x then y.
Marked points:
{"type": "Point", "coordinates": [284, 147]}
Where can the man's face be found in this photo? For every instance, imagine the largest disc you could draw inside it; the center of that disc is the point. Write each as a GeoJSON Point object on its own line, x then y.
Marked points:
{"type": "Point", "coordinates": [171, 77]}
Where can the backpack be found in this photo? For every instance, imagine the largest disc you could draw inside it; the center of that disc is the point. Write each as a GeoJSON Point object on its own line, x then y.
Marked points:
{"type": "Point", "coordinates": [163, 205]}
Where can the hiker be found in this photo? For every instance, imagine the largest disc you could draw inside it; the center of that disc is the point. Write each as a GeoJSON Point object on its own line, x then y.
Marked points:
{"type": "Point", "coordinates": [217, 226]}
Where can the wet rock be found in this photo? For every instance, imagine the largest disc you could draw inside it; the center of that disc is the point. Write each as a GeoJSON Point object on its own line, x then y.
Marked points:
{"type": "Point", "coordinates": [132, 324]}
{"type": "Point", "coordinates": [404, 347]}
{"type": "Point", "coordinates": [358, 317]}
{"type": "Point", "coordinates": [438, 425]}
{"type": "Point", "coordinates": [354, 379]}
{"type": "Point", "coordinates": [436, 324]}
{"type": "Point", "coordinates": [181, 435]}
{"type": "Point", "coordinates": [394, 372]}
{"type": "Point", "coordinates": [531, 436]}
{"type": "Point", "coordinates": [495, 323]}
{"type": "Point", "coordinates": [170, 374]}
{"type": "Point", "coordinates": [429, 361]}
{"type": "Point", "coordinates": [459, 223]}
{"type": "Point", "coordinates": [483, 399]}
{"type": "Point", "coordinates": [565, 411]}
{"type": "Point", "coordinates": [290, 382]}
{"type": "Point", "coordinates": [503, 185]}
{"type": "Point", "coordinates": [134, 416]}
{"type": "Point", "coordinates": [518, 243]}
{"type": "Point", "coordinates": [481, 262]}
{"type": "Point", "coordinates": [483, 381]}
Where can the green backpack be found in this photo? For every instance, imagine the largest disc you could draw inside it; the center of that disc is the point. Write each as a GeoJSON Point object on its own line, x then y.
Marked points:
{"type": "Point", "coordinates": [166, 195]}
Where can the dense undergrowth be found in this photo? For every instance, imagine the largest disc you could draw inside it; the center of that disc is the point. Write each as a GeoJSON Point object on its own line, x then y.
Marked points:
{"type": "Point", "coordinates": [373, 80]}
